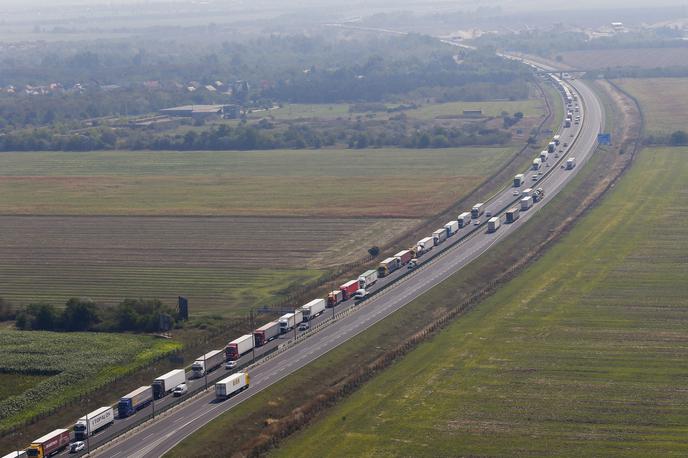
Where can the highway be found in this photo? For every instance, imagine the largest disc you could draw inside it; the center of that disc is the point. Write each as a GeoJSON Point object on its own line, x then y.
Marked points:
{"type": "Point", "coordinates": [154, 438]}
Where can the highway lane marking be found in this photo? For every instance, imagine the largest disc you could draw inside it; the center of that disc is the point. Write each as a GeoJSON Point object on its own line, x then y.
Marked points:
{"type": "Point", "coordinates": [392, 306]}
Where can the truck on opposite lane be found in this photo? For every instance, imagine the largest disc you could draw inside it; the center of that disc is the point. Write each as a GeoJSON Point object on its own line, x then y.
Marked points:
{"type": "Point", "coordinates": [231, 385]}
{"type": "Point", "coordinates": [512, 214]}
{"type": "Point", "coordinates": [526, 203]}
{"type": "Point", "coordinates": [493, 224]}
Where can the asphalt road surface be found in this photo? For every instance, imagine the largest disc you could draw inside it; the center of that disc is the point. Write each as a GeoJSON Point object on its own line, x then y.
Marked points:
{"type": "Point", "coordinates": [154, 438]}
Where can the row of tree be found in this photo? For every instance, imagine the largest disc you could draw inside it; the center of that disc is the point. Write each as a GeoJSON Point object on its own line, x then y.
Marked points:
{"type": "Point", "coordinates": [398, 132]}
{"type": "Point", "coordinates": [83, 314]}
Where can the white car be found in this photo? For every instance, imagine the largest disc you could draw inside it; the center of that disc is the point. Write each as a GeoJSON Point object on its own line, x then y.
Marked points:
{"type": "Point", "coordinates": [180, 390]}
{"type": "Point", "coordinates": [476, 222]}
{"type": "Point", "coordinates": [516, 192]}
{"type": "Point", "coordinates": [230, 365]}
{"type": "Point", "coordinates": [304, 326]}
{"type": "Point", "coordinates": [77, 446]}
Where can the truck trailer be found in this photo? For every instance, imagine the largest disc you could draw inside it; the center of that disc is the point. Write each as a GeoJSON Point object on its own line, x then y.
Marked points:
{"type": "Point", "coordinates": [526, 203]}
{"type": "Point", "coordinates": [267, 332]}
{"type": "Point", "coordinates": [316, 307]}
{"type": "Point", "coordinates": [239, 347]}
{"type": "Point", "coordinates": [451, 227]}
{"type": "Point", "coordinates": [93, 422]}
{"type": "Point", "coordinates": [231, 385]}
{"type": "Point", "coordinates": [493, 224]}
{"type": "Point", "coordinates": [404, 256]}
{"type": "Point", "coordinates": [464, 219]}
{"type": "Point", "coordinates": [134, 401]}
{"type": "Point", "coordinates": [518, 180]}
{"type": "Point", "coordinates": [289, 321]}
{"type": "Point", "coordinates": [424, 245]}
{"type": "Point", "coordinates": [512, 214]}
{"type": "Point", "coordinates": [543, 156]}
{"type": "Point", "coordinates": [556, 139]}
{"type": "Point", "coordinates": [439, 236]}
{"type": "Point", "coordinates": [537, 163]}
{"type": "Point", "coordinates": [388, 266]}
{"type": "Point", "coordinates": [367, 279]}
{"type": "Point", "coordinates": [207, 363]}
{"type": "Point", "coordinates": [16, 454]}
{"type": "Point", "coordinates": [49, 444]}
{"type": "Point", "coordinates": [349, 288]}
{"type": "Point", "coordinates": [335, 297]}
{"type": "Point", "coordinates": [570, 163]}
{"type": "Point", "coordinates": [551, 147]}
{"type": "Point", "coordinates": [477, 210]}
{"type": "Point", "coordinates": [166, 383]}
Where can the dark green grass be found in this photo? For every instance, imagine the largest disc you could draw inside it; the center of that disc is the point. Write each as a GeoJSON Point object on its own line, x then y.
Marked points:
{"type": "Point", "coordinates": [584, 354]}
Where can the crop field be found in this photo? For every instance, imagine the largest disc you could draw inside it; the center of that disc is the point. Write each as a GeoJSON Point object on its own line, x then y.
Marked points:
{"type": "Point", "coordinates": [664, 102]}
{"type": "Point", "coordinates": [530, 107]}
{"type": "Point", "coordinates": [634, 57]}
{"type": "Point", "coordinates": [583, 354]}
{"type": "Point", "coordinates": [49, 369]}
{"type": "Point", "coordinates": [223, 265]}
{"type": "Point", "coordinates": [323, 183]}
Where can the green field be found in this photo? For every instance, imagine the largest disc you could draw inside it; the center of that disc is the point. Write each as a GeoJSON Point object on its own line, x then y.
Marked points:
{"type": "Point", "coordinates": [48, 369]}
{"type": "Point", "coordinates": [584, 354]}
{"type": "Point", "coordinates": [628, 57]}
{"type": "Point", "coordinates": [530, 107]}
{"type": "Point", "coordinates": [382, 182]}
{"type": "Point", "coordinates": [664, 102]}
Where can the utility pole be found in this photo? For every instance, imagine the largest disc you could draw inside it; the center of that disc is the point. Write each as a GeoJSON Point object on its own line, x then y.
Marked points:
{"type": "Point", "coordinates": [205, 372]}
{"type": "Point", "coordinates": [253, 347]}
{"type": "Point", "coordinates": [88, 436]}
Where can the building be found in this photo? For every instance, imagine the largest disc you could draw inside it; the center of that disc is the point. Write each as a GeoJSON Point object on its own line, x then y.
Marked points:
{"type": "Point", "coordinates": [202, 112]}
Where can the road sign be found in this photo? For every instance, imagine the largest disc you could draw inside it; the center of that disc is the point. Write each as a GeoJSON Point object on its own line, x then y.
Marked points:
{"type": "Point", "coordinates": [604, 139]}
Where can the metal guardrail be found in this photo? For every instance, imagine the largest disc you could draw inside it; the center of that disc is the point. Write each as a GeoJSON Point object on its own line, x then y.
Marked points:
{"type": "Point", "coordinates": [274, 352]}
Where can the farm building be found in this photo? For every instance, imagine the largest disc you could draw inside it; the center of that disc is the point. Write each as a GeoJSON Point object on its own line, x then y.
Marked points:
{"type": "Point", "coordinates": [202, 111]}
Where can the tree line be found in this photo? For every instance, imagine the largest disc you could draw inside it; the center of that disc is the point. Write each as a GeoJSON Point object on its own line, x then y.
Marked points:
{"type": "Point", "coordinates": [83, 314]}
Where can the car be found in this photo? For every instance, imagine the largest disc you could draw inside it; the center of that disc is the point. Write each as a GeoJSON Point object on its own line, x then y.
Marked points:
{"type": "Point", "coordinates": [516, 192]}
{"type": "Point", "coordinates": [77, 446]}
{"type": "Point", "coordinates": [304, 326]}
{"type": "Point", "coordinates": [540, 172]}
{"type": "Point", "coordinates": [180, 390]}
{"type": "Point", "coordinates": [488, 214]}
{"type": "Point", "coordinates": [476, 222]}
{"type": "Point", "coordinates": [361, 294]}
{"type": "Point", "coordinates": [413, 263]}
{"type": "Point", "coordinates": [230, 365]}
{"type": "Point", "coordinates": [535, 177]}
{"type": "Point", "coordinates": [565, 144]}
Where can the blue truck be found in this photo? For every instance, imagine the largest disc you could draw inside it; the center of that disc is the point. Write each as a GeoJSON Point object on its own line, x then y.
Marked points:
{"type": "Point", "coordinates": [134, 401]}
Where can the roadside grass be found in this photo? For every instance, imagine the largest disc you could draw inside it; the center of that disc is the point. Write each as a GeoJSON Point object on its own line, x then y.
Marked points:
{"type": "Point", "coordinates": [250, 419]}
{"type": "Point", "coordinates": [582, 354]}
{"type": "Point", "coordinates": [664, 102]}
{"type": "Point", "coordinates": [324, 183]}
{"type": "Point", "coordinates": [66, 366]}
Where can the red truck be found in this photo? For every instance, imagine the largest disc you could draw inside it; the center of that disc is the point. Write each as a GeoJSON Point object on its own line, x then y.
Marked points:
{"type": "Point", "coordinates": [349, 288]}
{"type": "Point", "coordinates": [49, 444]}
{"type": "Point", "coordinates": [335, 297]}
